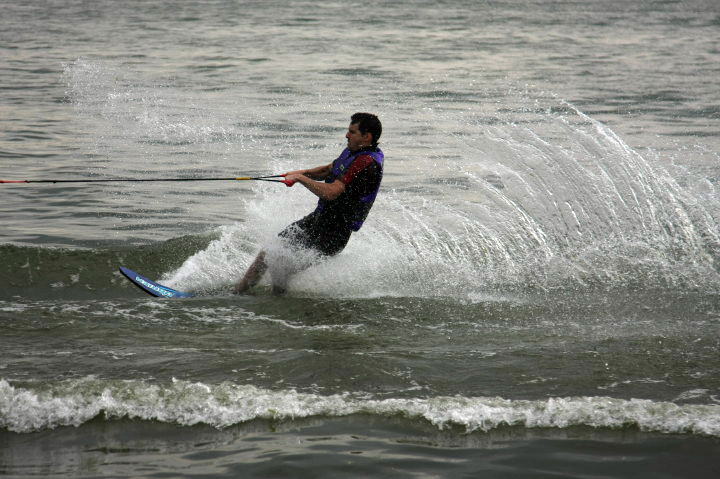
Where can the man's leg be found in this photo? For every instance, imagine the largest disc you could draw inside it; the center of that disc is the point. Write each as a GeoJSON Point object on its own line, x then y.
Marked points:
{"type": "Point", "coordinates": [253, 274]}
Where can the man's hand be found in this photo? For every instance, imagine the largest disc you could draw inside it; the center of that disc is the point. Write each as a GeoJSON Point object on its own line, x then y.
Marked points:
{"type": "Point", "coordinates": [292, 176]}
{"type": "Point", "coordinates": [318, 173]}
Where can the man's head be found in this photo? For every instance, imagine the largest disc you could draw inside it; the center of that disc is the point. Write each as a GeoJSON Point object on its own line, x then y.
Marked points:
{"type": "Point", "coordinates": [365, 130]}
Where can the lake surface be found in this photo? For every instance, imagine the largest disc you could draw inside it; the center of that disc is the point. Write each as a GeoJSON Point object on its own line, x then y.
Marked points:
{"type": "Point", "coordinates": [536, 292]}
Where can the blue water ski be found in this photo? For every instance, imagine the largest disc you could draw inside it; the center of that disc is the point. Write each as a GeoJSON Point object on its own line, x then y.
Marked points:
{"type": "Point", "coordinates": [151, 287]}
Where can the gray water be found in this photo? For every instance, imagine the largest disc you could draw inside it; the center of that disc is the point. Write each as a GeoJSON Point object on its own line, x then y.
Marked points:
{"type": "Point", "coordinates": [535, 293]}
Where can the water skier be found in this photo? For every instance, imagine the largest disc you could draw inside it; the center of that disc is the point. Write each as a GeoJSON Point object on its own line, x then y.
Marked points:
{"type": "Point", "coordinates": [346, 190]}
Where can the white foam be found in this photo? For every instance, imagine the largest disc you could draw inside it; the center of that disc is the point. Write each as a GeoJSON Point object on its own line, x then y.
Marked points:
{"type": "Point", "coordinates": [73, 402]}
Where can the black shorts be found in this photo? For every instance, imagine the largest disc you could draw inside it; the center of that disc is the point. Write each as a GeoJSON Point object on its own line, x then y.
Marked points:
{"type": "Point", "coordinates": [312, 233]}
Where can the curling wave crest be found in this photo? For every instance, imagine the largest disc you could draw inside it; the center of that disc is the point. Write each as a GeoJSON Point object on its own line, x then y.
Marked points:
{"type": "Point", "coordinates": [74, 402]}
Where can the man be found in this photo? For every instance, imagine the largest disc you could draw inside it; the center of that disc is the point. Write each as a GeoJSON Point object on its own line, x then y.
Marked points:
{"type": "Point", "coordinates": [346, 189]}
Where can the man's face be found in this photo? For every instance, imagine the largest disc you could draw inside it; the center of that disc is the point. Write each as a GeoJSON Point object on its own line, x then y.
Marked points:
{"type": "Point", "coordinates": [357, 140]}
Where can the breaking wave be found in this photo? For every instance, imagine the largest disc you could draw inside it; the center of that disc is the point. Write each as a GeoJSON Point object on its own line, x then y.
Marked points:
{"type": "Point", "coordinates": [74, 402]}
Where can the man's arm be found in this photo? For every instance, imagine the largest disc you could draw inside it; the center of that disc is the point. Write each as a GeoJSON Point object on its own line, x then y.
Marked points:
{"type": "Point", "coordinates": [325, 191]}
{"type": "Point", "coordinates": [363, 165]}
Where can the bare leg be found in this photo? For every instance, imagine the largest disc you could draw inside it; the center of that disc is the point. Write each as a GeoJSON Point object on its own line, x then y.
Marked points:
{"type": "Point", "coordinates": [253, 274]}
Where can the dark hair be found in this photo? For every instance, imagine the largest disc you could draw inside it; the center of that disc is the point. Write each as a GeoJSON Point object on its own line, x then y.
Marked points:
{"type": "Point", "coordinates": [368, 123]}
